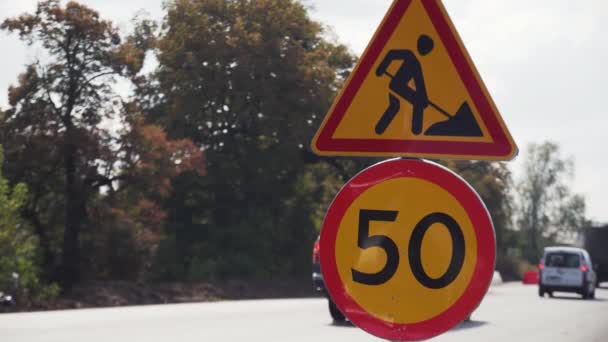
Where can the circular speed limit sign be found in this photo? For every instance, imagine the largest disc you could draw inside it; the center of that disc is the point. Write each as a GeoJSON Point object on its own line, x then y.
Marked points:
{"type": "Point", "coordinates": [408, 250]}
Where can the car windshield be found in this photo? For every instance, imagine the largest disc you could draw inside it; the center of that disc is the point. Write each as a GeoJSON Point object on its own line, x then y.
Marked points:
{"type": "Point", "coordinates": [567, 260]}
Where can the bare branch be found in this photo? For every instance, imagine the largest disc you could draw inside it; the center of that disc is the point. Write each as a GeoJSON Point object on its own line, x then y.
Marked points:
{"type": "Point", "coordinates": [91, 79]}
{"type": "Point", "coordinates": [99, 180]}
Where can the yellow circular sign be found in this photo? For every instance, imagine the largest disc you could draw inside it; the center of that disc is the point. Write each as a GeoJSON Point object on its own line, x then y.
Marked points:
{"type": "Point", "coordinates": [412, 199]}
{"type": "Point", "coordinates": [407, 250]}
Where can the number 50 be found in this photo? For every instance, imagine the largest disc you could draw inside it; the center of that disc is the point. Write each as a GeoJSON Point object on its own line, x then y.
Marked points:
{"type": "Point", "coordinates": [365, 241]}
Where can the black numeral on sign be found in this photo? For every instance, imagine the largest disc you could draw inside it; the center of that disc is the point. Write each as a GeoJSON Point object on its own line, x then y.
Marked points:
{"type": "Point", "coordinates": [457, 251]}
{"type": "Point", "coordinates": [366, 241]}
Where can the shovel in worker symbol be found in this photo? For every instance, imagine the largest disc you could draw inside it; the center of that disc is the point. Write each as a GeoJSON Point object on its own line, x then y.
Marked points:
{"type": "Point", "coordinates": [460, 124]}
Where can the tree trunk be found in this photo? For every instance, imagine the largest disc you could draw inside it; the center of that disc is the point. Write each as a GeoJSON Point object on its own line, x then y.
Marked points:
{"type": "Point", "coordinates": [48, 259]}
{"type": "Point", "coordinates": [75, 214]}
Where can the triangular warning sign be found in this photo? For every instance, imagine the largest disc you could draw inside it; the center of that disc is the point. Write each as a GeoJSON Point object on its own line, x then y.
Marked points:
{"type": "Point", "coordinates": [415, 92]}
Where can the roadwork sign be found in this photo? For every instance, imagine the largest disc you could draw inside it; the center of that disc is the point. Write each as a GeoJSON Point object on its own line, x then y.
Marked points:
{"type": "Point", "coordinates": [408, 250]}
{"type": "Point", "coordinates": [415, 92]}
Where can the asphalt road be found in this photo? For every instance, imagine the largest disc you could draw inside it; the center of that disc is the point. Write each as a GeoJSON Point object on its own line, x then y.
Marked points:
{"type": "Point", "coordinates": [510, 312]}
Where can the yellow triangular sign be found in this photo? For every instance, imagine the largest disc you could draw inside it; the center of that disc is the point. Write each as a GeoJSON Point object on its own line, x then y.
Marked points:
{"type": "Point", "coordinates": [415, 92]}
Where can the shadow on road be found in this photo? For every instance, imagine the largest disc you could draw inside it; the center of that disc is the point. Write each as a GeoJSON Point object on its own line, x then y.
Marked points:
{"type": "Point", "coordinates": [469, 325]}
{"type": "Point", "coordinates": [578, 298]}
{"type": "Point", "coordinates": [461, 326]}
{"type": "Point", "coordinates": [345, 324]}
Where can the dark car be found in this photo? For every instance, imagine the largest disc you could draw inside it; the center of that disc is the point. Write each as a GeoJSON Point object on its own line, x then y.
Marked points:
{"type": "Point", "coordinates": [319, 284]}
{"type": "Point", "coordinates": [6, 299]}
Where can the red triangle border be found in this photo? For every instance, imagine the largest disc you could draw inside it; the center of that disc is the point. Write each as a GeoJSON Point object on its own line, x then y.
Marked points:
{"type": "Point", "coordinates": [501, 146]}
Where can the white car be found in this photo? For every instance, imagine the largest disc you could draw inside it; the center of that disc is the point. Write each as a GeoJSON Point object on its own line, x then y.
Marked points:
{"type": "Point", "coordinates": [566, 269]}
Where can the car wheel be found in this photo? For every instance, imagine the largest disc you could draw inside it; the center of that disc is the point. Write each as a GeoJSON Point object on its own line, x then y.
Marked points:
{"type": "Point", "coordinates": [551, 294]}
{"type": "Point", "coordinates": [335, 313]}
{"type": "Point", "coordinates": [585, 292]}
{"type": "Point", "coordinates": [541, 291]}
{"type": "Point", "coordinates": [590, 292]}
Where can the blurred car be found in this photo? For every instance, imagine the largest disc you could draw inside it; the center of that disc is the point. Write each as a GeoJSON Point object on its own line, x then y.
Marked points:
{"type": "Point", "coordinates": [6, 299]}
{"type": "Point", "coordinates": [319, 284]}
{"type": "Point", "coordinates": [566, 269]}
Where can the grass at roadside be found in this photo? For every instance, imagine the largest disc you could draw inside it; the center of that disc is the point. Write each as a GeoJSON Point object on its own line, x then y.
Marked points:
{"type": "Point", "coordinates": [112, 294]}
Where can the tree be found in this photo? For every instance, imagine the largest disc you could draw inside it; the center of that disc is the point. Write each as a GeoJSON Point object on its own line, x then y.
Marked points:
{"type": "Point", "coordinates": [494, 184]}
{"type": "Point", "coordinates": [249, 81]}
{"type": "Point", "coordinates": [71, 138]}
{"type": "Point", "coordinates": [19, 268]}
{"type": "Point", "coordinates": [548, 211]}
{"type": "Point", "coordinates": [17, 245]}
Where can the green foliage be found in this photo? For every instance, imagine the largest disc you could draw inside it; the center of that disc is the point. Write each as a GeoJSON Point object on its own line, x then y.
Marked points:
{"type": "Point", "coordinates": [242, 83]}
{"type": "Point", "coordinates": [249, 81]}
{"type": "Point", "coordinates": [61, 138]}
{"type": "Point", "coordinates": [513, 268]}
{"type": "Point", "coordinates": [493, 182]}
{"type": "Point", "coordinates": [548, 212]}
{"type": "Point", "coordinates": [18, 246]}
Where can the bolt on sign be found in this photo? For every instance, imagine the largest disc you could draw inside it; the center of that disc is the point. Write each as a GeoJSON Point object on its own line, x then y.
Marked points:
{"type": "Point", "coordinates": [408, 250]}
{"type": "Point", "coordinates": [415, 92]}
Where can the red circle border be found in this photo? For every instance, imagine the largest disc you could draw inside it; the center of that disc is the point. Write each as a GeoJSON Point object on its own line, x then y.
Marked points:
{"type": "Point", "coordinates": [486, 248]}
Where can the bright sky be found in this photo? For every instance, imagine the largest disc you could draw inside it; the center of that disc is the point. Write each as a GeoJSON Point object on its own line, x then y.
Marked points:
{"type": "Point", "coordinates": [543, 62]}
